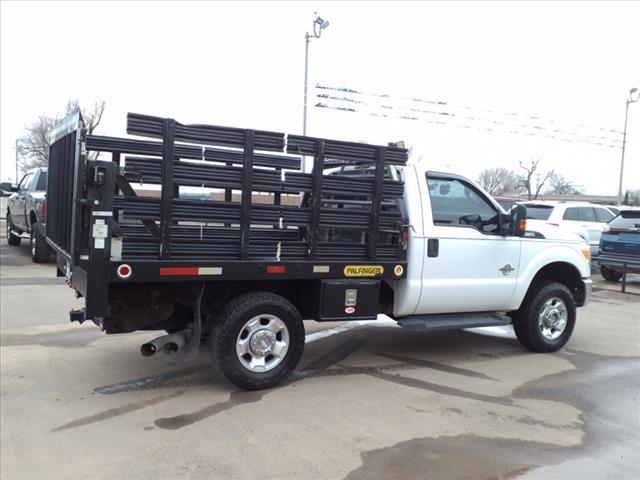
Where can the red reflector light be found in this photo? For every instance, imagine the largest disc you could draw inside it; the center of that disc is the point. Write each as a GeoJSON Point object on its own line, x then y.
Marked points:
{"type": "Point", "coordinates": [523, 225]}
{"type": "Point", "coordinates": [176, 271]}
{"type": "Point", "coordinates": [276, 268]}
{"type": "Point", "coordinates": [405, 235]}
{"type": "Point", "coordinates": [124, 271]}
{"type": "Point", "coordinates": [44, 209]}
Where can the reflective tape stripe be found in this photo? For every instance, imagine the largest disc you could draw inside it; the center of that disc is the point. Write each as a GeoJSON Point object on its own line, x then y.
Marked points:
{"type": "Point", "coordinates": [168, 271]}
{"type": "Point", "coordinates": [190, 271]}
{"type": "Point", "coordinates": [210, 271]}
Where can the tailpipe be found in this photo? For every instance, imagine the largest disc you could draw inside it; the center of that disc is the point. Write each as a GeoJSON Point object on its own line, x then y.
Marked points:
{"type": "Point", "coordinates": [169, 344]}
{"type": "Point", "coordinates": [148, 349]}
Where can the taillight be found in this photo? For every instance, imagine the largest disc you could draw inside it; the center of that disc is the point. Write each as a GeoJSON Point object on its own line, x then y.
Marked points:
{"type": "Point", "coordinates": [44, 210]}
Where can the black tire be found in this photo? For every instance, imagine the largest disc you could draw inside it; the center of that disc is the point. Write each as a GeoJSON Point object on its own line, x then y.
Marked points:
{"type": "Point", "coordinates": [231, 322]}
{"type": "Point", "coordinates": [11, 238]}
{"type": "Point", "coordinates": [39, 249]}
{"type": "Point", "coordinates": [610, 275]}
{"type": "Point", "coordinates": [526, 321]}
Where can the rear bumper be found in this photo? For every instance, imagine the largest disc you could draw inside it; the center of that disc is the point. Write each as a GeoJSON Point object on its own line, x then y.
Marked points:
{"type": "Point", "coordinates": [584, 292]}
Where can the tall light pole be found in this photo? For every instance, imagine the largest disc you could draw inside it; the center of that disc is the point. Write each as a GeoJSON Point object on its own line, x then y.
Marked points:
{"type": "Point", "coordinates": [319, 24]}
{"type": "Point", "coordinates": [624, 139]}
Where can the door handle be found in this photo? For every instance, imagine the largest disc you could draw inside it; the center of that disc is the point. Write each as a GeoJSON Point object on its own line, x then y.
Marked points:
{"type": "Point", "coordinates": [433, 247]}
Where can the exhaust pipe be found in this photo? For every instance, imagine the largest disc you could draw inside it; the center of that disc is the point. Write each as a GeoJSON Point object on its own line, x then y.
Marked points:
{"type": "Point", "coordinates": [177, 343]}
{"type": "Point", "coordinates": [169, 344]}
{"type": "Point", "coordinates": [148, 349]}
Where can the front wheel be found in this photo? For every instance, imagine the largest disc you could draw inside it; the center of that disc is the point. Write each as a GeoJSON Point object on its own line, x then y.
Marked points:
{"type": "Point", "coordinates": [257, 340]}
{"type": "Point", "coordinates": [39, 249]}
{"type": "Point", "coordinates": [610, 275]}
{"type": "Point", "coordinates": [12, 239]}
{"type": "Point", "coordinates": [545, 321]}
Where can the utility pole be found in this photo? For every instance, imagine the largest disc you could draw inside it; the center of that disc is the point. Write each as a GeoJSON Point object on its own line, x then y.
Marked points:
{"type": "Point", "coordinates": [624, 141]}
{"type": "Point", "coordinates": [16, 161]}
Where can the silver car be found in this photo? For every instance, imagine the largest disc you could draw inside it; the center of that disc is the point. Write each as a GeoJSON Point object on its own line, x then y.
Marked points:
{"type": "Point", "coordinates": [26, 212]}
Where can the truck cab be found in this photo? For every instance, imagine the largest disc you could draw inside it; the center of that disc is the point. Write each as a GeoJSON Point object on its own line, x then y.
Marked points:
{"type": "Point", "coordinates": [462, 259]}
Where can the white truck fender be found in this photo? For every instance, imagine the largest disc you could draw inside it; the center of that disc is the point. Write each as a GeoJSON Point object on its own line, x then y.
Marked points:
{"type": "Point", "coordinates": [552, 254]}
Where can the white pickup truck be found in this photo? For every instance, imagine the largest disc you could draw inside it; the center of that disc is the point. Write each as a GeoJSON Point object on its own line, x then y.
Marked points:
{"type": "Point", "coordinates": [367, 232]}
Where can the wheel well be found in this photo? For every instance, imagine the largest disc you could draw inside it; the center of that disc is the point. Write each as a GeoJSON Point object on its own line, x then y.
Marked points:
{"type": "Point", "coordinates": [564, 273]}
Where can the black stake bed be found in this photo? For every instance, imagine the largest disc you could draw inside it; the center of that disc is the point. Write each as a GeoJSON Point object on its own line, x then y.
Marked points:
{"type": "Point", "coordinates": [225, 202]}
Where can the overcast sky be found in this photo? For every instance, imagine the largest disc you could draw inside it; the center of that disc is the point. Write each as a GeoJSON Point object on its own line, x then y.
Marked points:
{"type": "Point", "coordinates": [514, 81]}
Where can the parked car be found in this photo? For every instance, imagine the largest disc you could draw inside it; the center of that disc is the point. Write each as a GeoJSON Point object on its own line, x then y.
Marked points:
{"type": "Point", "coordinates": [587, 220]}
{"type": "Point", "coordinates": [26, 211]}
{"type": "Point", "coordinates": [507, 202]}
{"type": "Point", "coordinates": [616, 208]}
{"type": "Point", "coordinates": [620, 245]}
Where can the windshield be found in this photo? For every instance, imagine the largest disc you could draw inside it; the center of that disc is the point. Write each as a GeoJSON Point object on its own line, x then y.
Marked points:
{"type": "Point", "coordinates": [538, 212]}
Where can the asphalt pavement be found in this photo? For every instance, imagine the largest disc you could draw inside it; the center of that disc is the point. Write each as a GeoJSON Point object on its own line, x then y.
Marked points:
{"type": "Point", "coordinates": [367, 401]}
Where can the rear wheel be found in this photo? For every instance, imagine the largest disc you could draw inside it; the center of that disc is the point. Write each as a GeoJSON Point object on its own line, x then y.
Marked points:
{"type": "Point", "coordinates": [257, 340]}
{"type": "Point", "coordinates": [545, 321]}
{"type": "Point", "coordinates": [610, 275]}
{"type": "Point", "coordinates": [12, 239]}
{"type": "Point", "coordinates": [39, 249]}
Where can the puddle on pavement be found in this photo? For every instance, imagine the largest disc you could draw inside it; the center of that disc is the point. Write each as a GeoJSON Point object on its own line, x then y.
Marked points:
{"type": "Point", "coordinates": [463, 457]}
{"type": "Point", "coordinates": [604, 421]}
{"type": "Point", "coordinates": [607, 422]}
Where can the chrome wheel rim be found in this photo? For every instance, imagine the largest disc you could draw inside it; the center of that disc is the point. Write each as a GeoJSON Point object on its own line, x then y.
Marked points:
{"type": "Point", "coordinates": [262, 343]}
{"type": "Point", "coordinates": [552, 320]}
{"type": "Point", "coordinates": [33, 244]}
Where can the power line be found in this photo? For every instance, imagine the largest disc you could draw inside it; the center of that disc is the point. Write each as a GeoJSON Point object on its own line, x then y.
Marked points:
{"type": "Point", "coordinates": [351, 100]}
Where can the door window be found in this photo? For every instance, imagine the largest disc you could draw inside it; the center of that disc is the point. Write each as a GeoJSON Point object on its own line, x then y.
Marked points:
{"type": "Point", "coordinates": [42, 182]}
{"type": "Point", "coordinates": [603, 215]}
{"type": "Point", "coordinates": [587, 214]}
{"type": "Point", "coordinates": [453, 203]}
{"type": "Point", "coordinates": [571, 214]}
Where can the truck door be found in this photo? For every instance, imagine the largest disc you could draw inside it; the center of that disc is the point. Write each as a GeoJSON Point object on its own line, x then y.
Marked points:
{"type": "Point", "coordinates": [468, 265]}
{"type": "Point", "coordinates": [19, 203]}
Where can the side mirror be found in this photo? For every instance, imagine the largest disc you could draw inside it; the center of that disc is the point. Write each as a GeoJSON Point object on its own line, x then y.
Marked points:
{"type": "Point", "coordinates": [517, 224]}
{"type": "Point", "coordinates": [8, 187]}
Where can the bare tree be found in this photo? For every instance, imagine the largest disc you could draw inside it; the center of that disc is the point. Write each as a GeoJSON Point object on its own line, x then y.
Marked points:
{"type": "Point", "coordinates": [33, 146]}
{"type": "Point", "coordinates": [498, 181]}
{"type": "Point", "coordinates": [559, 185]}
{"type": "Point", "coordinates": [91, 115]}
{"type": "Point", "coordinates": [533, 181]}
{"type": "Point", "coordinates": [632, 197]}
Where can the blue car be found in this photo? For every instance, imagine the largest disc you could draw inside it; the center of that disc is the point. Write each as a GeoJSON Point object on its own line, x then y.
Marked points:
{"type": "Point", "coordinates": [620, 245]}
